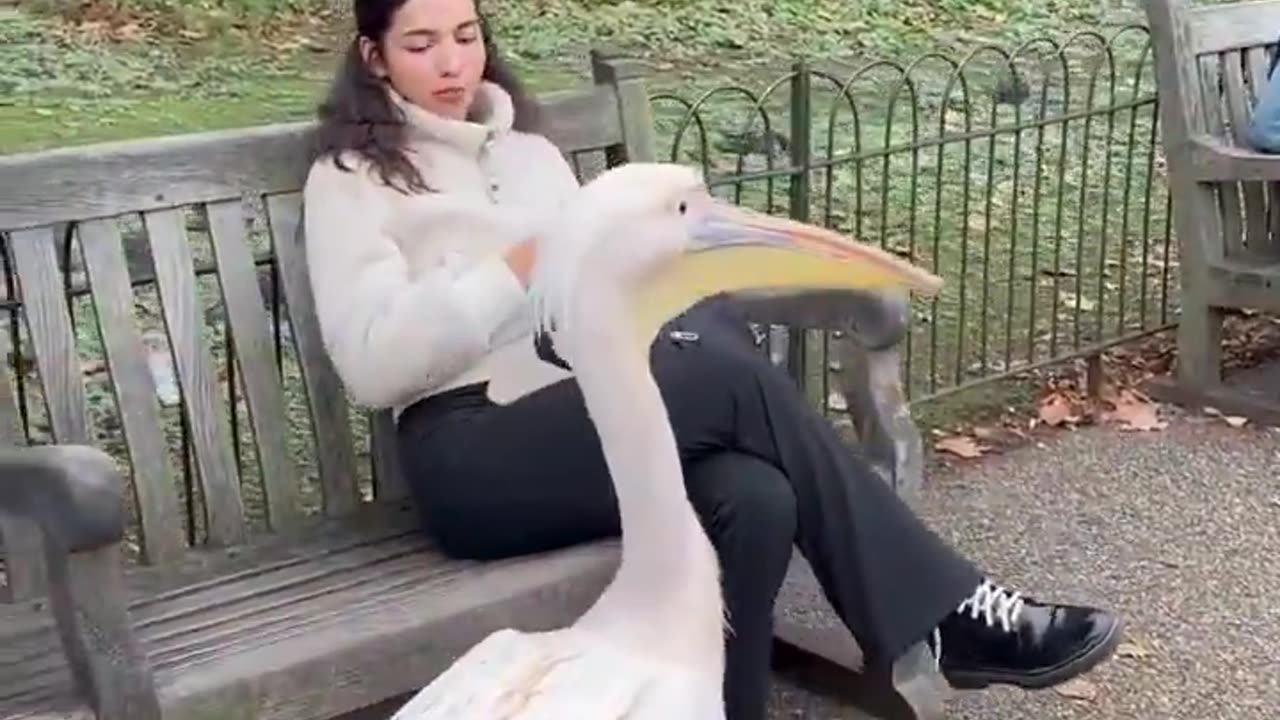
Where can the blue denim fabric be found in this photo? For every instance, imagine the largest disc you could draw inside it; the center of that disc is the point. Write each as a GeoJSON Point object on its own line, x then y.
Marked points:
{"type": "Point", "coordinates": [1264, 128]}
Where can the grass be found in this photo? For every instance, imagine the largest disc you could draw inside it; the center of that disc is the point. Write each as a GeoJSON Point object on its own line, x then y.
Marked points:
{"type": "Point", "coordinates": [1039, 228]}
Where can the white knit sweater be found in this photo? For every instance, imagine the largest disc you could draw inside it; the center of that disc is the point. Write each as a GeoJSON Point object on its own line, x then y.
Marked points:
{"type": "Point", "coordinates": [412, 293]}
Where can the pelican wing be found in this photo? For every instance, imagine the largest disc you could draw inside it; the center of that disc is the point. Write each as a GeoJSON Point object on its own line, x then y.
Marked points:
{"type": "Point", "coordinates": [563, 674]}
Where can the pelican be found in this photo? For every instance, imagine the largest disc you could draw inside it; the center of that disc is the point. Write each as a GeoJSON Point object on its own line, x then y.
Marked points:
{"type": "Point", "coordinates": [637, 246]}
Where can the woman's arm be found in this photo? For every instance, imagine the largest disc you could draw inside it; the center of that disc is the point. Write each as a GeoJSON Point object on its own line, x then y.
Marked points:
{"type": "Point", "coordinates": [390, 336]}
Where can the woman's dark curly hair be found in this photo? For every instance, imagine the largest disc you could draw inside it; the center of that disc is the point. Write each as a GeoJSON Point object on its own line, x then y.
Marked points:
{"type": "Point", "coordinates": [359, 116]}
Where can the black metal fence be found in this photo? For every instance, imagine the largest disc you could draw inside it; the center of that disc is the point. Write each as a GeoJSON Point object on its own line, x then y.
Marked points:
{"type": "Point", "coordinates": [1030, 178]}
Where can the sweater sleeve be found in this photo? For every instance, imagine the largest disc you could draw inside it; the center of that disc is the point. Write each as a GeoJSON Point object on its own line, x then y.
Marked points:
{"type": "Point", "coordinates": [392, 336]}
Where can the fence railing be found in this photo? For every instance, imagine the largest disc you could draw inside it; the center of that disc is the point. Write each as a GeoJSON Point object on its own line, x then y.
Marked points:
{"type": "Point", "coordinates": [1030, 178]}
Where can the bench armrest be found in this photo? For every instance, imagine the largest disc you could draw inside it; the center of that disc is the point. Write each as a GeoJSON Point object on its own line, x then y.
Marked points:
{"type": "Point", "coordinates": [75, 495]}
{"type": "Point", "coordinates": [1213, 160]}
{"type": "Point", "coordinates": [872, 327]}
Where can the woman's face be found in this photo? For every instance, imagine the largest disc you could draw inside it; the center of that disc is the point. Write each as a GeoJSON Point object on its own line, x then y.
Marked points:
{"type": "Point", "coordinates": [433, 54]}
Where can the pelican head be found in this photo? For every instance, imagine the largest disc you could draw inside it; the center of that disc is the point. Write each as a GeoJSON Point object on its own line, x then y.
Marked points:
{"type": "Point", "coordinates": [652, 237]}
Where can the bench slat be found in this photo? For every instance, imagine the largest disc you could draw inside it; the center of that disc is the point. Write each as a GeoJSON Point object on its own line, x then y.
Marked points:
{"type": "Point", "coordinates": [23, 549]}
{"type": "Point", "coordinates": [49, 322]}
{"type": "Point", "coordinates": [388, 478]}
{"type": "Point", "coordinates": [107, 179]}
{"type": "Point", "coordinates": [135, 391]}
{"type": "Point", "coordinates": [1228, 194]}
{"type": "Point", "coordinates": [334, 613]}
{"type": "Point", "coordinates": [251, 330]}
{"type": "Point", "coordinates": [205, 410]}
{"type": "Point", "coordinates": [326, 398]}
{"type": "Point", "coordinates": [1238, 112]}
{"type": "Point", "coordinates": [1221, 27]}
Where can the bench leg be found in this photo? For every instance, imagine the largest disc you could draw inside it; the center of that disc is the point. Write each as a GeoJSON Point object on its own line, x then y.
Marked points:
{"type": "Point", "coordinates": [1199, 346]}
{"type": "Point", "coordinates": [831, 663]}
{"type": "Point", "coordinates": [1199, 381]}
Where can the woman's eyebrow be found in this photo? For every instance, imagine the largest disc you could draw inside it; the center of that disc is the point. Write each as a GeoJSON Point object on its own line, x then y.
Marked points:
{"type": "Point", "coordinates": [428, 32]}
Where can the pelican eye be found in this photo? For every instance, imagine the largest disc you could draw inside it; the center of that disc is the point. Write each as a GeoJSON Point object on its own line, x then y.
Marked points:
{"type": "Point", "coordinates": [683, 207]}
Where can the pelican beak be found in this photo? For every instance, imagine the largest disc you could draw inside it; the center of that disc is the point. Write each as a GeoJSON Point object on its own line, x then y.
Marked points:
{"type": "Point", "coordinates": [764, 252]}
{"type": "Point", "coordinates": [733, 249]}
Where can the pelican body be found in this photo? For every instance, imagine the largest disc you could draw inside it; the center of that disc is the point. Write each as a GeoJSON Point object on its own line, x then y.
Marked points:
{"type": "Point", "coordinates": [642, 243]}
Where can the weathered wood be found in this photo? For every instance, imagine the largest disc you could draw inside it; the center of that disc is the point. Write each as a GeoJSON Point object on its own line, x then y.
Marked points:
{"type": "Point", "coordinates": [833, 662]}
{"type": "Point", "coordinates": [250, 327]}
{"type": "Point", "coordinates": [76, 495]}
{"type": "Point", "coordinates": [638, 138]}
{"type": "Point", "coordinates": [310, 635]}
{"type": "Point", "coordinates": [1215, 161]}
{"type": "Point", "coordinates": [388, 474]}
{"type": "Point", "coordinates": [107, 661]}
{"type": "Point", "coordinates": [206, 413]}
{"type": "Point", "coordinates": [1224, 242]}
{"type": "Point", "coordinates": [23, 549]}
{"type": "Point", "coordinates": [1238, 112]}
{"type": "Point", "coordinates": [107, 179]}
{"type": "Point", "coordinates": [1228, 194]}
{"type": "Point", "coordinates": [326, 399]}
{"type": "Point", "coordinates": [1231, 26]}
{"type": "Point", "coordinates": [870, 382]}
{"type": "Point", "coordinates": [163, 539]}
{"type": "Point", "coordinates": [49, 322]}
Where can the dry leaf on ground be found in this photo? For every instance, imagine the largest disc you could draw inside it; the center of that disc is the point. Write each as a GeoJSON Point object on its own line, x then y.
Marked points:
{"type": "Point", "coordinates": [1132, 650]}
{"type": "Point", "coordinates": [1135, 412]}
{"type": "Point", "coordinates": [961, 446]}
{"type": "Point", "coordinates": [1078, 689]}
{"type": "Point", "coordinates": [1057, 409]}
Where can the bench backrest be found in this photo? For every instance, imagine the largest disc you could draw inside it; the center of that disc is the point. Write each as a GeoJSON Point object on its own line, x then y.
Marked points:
{"type": "Point", "coordinates": [1212, 61]}
{"type": "Point", "coordinates": [213, 221]}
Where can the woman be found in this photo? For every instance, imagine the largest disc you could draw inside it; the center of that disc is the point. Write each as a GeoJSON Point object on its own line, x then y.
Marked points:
{"type": "Point", "coordinates": [425, 118]}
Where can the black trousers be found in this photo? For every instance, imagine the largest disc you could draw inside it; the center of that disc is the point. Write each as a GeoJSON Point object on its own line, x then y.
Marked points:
{"type": "Point", "coordinates": [764, 471]}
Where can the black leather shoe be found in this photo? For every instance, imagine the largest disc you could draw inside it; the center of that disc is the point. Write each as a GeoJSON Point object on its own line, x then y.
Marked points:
{"type": "Point", "coordinates": [998, 636]}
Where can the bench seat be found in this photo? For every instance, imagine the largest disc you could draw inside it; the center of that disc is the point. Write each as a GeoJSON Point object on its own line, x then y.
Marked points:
{"type": "Point", "coordinates": [244, 634]}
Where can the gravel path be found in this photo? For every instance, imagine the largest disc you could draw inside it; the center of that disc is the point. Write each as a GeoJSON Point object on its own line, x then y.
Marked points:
{"type": "Point", "coordinates": [1178, 530]}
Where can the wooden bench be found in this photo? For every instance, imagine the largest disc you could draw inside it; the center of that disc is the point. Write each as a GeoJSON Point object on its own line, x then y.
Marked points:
{"type": "Point", "coordinates": [1212, 61]}
{"type": "Point", "coordinates": [304, 594]}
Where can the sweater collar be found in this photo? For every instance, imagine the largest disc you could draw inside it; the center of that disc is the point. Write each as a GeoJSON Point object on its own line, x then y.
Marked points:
{"type": "Point", "coordinates": [492, 113]}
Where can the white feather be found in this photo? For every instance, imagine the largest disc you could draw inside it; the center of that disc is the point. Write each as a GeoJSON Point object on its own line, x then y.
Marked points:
{"type": "Point", "coordinates": [652, 646]}
{"type": "Point", "coordinates": [563, 675]}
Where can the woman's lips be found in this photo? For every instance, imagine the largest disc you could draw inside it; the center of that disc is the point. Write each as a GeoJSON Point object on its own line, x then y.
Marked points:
{"type": "Point", "coordinates": [450, 95]}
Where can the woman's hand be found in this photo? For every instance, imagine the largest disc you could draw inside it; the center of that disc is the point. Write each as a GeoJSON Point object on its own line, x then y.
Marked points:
{"type": "Point", "coordinates": [520, 259]}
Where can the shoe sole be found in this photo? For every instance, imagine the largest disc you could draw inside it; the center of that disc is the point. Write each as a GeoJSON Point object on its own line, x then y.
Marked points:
{"type": "Point", "coordinates": [1087, 660]}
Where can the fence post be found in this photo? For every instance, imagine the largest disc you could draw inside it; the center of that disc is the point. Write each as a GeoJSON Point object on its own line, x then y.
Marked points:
{"type": "Point", "coordinates": [801, 161]}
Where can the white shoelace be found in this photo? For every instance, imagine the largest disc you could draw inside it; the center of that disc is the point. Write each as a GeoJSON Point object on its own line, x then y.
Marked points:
{"type": "Point", "coordinates": [989, 602]}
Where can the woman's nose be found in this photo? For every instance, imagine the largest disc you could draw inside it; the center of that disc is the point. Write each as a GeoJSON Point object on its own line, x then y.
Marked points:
{"type": "Point", "coordinates": [448, 59]}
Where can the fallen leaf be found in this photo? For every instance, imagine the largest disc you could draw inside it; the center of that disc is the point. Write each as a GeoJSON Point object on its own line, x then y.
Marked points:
{"type": "Point", "coordinates": [1056, 410]}
{"type": "Point", "coordinates": [985, 433]}
{"type": "Point", "coordinates": [1132, 650]}
{"type": "Point", "coordinates": [962, 446]}
{"type": "Point", "coordinates": [1078, 689]}
{"type": "Point", "coordinates": [1235, 421]}
{"type": "Point", "coordinates": [1136, 413]}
